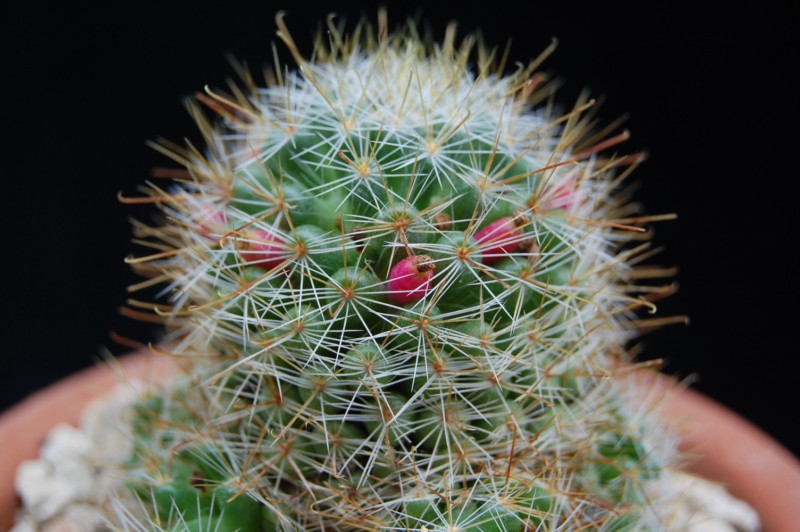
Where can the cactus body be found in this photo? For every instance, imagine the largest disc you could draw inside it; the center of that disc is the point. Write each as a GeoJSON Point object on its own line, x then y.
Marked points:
{"type": "Point", "coordinates": [403, 300]}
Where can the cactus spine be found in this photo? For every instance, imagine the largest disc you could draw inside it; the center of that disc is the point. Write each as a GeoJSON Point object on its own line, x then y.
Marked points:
{"type": "Point", "coordinates": [402, 292]}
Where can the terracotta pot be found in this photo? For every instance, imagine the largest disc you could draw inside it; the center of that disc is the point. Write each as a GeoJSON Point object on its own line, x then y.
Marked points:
{"type": "Point", "coordinates": [23, 427]}
{"type": "Point", "coordinates": [729, 449]}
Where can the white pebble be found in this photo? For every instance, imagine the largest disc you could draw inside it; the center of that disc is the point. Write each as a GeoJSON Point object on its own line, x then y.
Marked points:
{"type": "Point", "coordinates": [699, 505]}
{"type": "Point", "coordinates": [77, 518]}
{"type": "Point", "coordinates": [47, 488]}
{"type": "Point", "coordinates": [65, 442]}
{"type": "Point", "coordinates": [24, 524]}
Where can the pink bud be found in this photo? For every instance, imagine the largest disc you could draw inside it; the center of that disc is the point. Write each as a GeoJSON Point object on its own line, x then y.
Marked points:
{"type": "Point", "coordinates": [410, 279]}
{"type": "Point", "coordinates": [564, 196]}
{"type": "Point", "coordinates": [212, 222]}
{"type": "Point", "coordinates": [498, 239]}
{"type": "Point", "coordinates": [262, 249]}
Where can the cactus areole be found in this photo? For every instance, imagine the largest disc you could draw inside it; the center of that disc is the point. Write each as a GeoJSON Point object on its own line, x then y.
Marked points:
{"type": "Point", "coordinates": [394, 315]}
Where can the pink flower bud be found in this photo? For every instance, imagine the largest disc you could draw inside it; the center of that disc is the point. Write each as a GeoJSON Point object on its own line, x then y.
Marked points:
{"type": "Point", "coordinates": [410, 279]}
{"type": "Point", "coordinates": [498, 239]}
{"type": "Point", "coordinates": [262, 249]}
{"type": "Point", "coordinates": [564, 196]}
{"type": "Point", "coordinates": [212, 222]}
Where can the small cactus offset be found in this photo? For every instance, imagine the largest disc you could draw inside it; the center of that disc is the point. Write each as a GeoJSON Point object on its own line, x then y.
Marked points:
{"type": "Point", "coordinates": [402, 287]}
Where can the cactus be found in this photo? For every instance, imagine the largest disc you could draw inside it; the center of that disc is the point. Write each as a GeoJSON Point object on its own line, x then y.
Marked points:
{"type": "Point", "coordinates": [402, 292]}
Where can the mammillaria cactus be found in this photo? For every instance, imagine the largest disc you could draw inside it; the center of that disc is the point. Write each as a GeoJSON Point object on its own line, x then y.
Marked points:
{"type": "Point", "coordinates": [402, 292]}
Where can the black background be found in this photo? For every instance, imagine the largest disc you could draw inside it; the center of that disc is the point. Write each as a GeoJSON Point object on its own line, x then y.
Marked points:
{"type": "Point", "coordinates": [712, 95]}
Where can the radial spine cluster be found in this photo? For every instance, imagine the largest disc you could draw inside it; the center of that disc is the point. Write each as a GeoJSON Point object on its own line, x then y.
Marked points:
{"type": "Point", "coordinates": [402, 286]}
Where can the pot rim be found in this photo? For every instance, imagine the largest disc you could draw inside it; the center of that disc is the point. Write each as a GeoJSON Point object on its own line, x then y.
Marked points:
{"type": "Point", "coordinates": [25, 425]}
